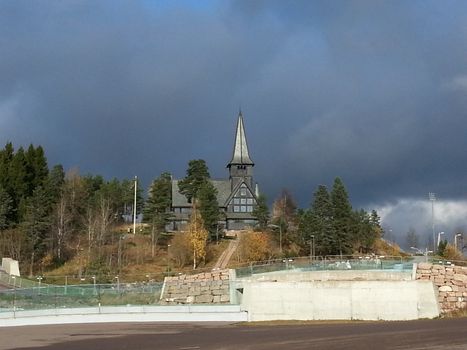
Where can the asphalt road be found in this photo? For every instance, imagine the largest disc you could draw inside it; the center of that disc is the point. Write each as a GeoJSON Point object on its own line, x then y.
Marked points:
{"type": "Point", "coordinates": [424, 334]}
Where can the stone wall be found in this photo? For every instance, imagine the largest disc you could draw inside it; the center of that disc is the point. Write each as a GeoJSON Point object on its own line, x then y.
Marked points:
{"type": "Point", "coordinates": [202, 288]}
{"type": "Point", "coordinates": [451, 282]}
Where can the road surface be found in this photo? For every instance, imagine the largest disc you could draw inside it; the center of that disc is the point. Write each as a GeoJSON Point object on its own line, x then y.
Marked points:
{"type": "Point", "coordinates": [423, 334]}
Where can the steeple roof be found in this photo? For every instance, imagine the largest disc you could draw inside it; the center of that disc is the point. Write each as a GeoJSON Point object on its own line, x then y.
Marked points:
{"type": "Point", "coordinates": [240, 151]}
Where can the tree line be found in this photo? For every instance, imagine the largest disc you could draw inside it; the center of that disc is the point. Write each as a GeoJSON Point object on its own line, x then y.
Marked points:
{"type": "Point", "coordinates": [48, 217]}
{"type": "Point", "coordinates": [329, 222]}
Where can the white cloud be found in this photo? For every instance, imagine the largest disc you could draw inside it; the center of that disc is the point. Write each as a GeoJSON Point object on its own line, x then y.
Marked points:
{"type": "Point", "coordinates": [457, 83]}
{"type": "Point", "coordinates": [449, 217]}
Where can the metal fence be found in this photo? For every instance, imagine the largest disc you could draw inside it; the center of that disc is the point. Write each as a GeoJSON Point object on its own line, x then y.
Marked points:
{"type": "Point", "coordinates": [330, 262]}
{"type": "Point", "coordinates": [16, 281]}
{"type": "Point", "coordinates": [26, 294]}
{"type": "Point", "coordinates": [72, 296]}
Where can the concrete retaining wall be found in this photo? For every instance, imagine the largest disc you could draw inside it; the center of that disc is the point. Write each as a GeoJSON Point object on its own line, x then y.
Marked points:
{"type": "Point", "coordinates": [339, 300]}
{"type": "Point", "coordinates": [346, 275]}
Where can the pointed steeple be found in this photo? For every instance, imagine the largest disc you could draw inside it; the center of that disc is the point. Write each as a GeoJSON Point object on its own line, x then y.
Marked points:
{"type": "Point", "coordinates": [240, 152]}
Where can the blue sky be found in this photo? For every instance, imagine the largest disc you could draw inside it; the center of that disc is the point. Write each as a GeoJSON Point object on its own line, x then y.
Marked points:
{"type": "Point", "coordinates": [371, 91]}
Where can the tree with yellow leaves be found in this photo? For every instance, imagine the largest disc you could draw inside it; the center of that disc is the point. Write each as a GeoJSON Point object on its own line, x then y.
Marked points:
{"type": "Point", "coordinates": [254, 246]}
{"type": "Point", "coordinates": [198, 235]}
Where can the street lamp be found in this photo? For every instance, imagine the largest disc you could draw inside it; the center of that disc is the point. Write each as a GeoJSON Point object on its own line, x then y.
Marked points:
{"type": "Point", "coordinates": [94, 283]}
{"type": "Point", "coordinates": [39, 278]}
{"type": "Point", "coordinates": [118, 283]}
{"type": "Point", "coordinates": [455, 239]}
{"type": "Point", "coordinates": [439, 238]}
{"type": "Point", "coordinates": [312, 247]}
{"type": "Point", "coordinates": [425, 253]}
{"type": "Point", "coordinates": [168, 259]}
{"type": "Point", "coordinates": [432, 198]}
{"type": "Point", "coordinates": [134, 206]}
{"type": "Point", "coordinates": [14, 296]}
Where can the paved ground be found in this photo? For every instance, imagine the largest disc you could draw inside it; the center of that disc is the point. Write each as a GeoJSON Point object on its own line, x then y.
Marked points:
{"type": "Point", "coordinates": [227, 254]}
{"type": "Point", "coordinates": [425, 334]}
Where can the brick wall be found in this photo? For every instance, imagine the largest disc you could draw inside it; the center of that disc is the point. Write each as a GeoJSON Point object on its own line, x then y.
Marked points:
{"type": "Point", "coordinates": [451, 282]}
{"type": "Point", "coordinates": [202, 288]}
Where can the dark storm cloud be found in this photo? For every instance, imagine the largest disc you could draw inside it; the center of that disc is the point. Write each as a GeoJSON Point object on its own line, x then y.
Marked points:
{"type": "Point", "coordinates": [372, 91]}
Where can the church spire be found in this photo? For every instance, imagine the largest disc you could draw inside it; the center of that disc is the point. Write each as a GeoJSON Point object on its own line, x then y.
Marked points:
{"type": "Point", "coordinates": [240, 151]}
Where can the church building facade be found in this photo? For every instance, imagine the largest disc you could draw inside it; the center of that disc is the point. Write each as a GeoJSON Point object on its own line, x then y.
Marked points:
{"type": "Point", "coordinates": [236, 196]}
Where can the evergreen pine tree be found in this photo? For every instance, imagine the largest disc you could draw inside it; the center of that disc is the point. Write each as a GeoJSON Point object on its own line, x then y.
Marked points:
{"type": "Point", "coordinates": [36, 222]}
{"type": "Point", "coordinates": [261, 212]}
{"type": "Point", "coordinates": [55, 181]}
{"type": "Point", "coordinates": [36, 165]}
{"type": "Point", "coordinates": [208, 207]}
{"type": "Point", "coordinates": [18, 181]}
{"type": "Point", "coordinates": [342, 217]}
{"type": "Point", "coordinates": [6, 156]}
{"type": "Point", "coordinates": [5, 209]}
{"type": "Point", "coordinates": [196, 175]}
{"type": "Point", "coordinates": [320, 222]}
{"type": "Point", "coordinates": [157, 207]}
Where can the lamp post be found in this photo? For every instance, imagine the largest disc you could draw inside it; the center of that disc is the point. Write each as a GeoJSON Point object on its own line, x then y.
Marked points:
{"type": "Point", "coordinates": [168, 259]}
{"type": "Point", "coordinates": [425, 253]}
{"type": "Point", "coordinates": [134, 206]}
{"type": "Point", "coordinates": [312, 248]}
{"type": "Point", "coordinates": [280, 236]}
{"type": "Point", "coordinates": [94, 283]}
{"type": "Point", "coordinates": [14, 296]}
{"type": "Point", "coordinates": [432, 198]}
{"type": "Point", "coordinates": [118, 284]}
{"type": "Point", "coordinates": [39, 278]}
{"type": "Point", "coordinates": [439, 238]}
{"type": "Point", "coordinates": [456, 241]}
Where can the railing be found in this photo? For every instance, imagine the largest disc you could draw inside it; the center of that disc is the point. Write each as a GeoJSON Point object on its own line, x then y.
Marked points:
{"type": "Point", "coordinates": [329, 262]}
{"type": "Point", "coordinates": [16, 281]}
{"type": "Point", "coordinates": [447, 262]}
{"type": "Point", "coordinates": [31, 295]}
{"type": "Point", "coordinates": [71, 296]}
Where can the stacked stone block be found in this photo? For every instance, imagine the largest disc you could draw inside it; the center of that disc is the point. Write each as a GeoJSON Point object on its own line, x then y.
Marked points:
{"type": "Point", "coordinates": [202, 288]}
{"type": "Point", "coordinates": [451, 282]}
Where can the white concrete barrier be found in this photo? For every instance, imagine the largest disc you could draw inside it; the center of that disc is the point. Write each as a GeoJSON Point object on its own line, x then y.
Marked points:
{"type": "Point", "coordinates": [339, 300]}
{"type": "Point", "coordinates": [180, 313]}
{"type": "Point", "coordinates": [10, 266]}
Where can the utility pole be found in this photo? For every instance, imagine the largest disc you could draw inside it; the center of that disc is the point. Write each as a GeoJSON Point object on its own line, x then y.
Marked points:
{"type": "Point", "coordinates": [134, 207]}
{"type": "Point", "coordinates": [432, 198]}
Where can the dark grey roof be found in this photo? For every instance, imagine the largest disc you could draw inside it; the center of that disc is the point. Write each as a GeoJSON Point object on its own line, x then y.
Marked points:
{"type": "Point", "coordinates": [178, 199]}
{"type": "Point", "coordinates": [222, 187]}
{"type": "Point", "coordinates": [240, 152]}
